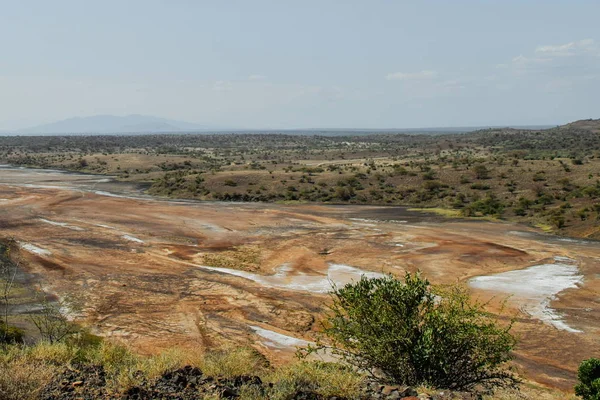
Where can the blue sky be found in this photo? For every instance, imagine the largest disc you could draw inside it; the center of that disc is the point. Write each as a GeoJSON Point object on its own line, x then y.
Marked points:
{"type": "Point", "coordinates": [301, 64]}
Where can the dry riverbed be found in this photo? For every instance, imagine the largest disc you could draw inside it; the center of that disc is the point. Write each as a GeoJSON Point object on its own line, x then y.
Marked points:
{"type": "Point", "coordinates": [158, 273]}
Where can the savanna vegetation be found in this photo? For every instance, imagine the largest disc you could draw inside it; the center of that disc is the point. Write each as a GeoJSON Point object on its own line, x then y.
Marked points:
{"type": "Point", "coordinates": [549, 178]}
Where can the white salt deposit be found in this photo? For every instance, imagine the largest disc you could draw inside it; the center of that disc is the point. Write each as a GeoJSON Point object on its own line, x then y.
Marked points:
{"type": "Point", "coordinates": [210, 227]}
{"type": "Point", "coordinates": [33, 186]}
{"type": "Point", "coordinates": [108, 194]}
{"type": "Point", "coordinates": [378, 221]}
{"type": "Point", "coordinates": [363, 221]}
{"type": "Point", "coordinates": [132, 239]}
{"type": "Point", "coordinates": [536, 287]}
{"type": "Point", "coordinates": [105, 226]}
{"type": "Point", "coordinates": [278, 340]}
{"type": "Point", "coordinates": [338, 274]}
{"type": "Point", "coordinates": [61, 224]}
{"type": "Point", "coordinates": [34, 249]}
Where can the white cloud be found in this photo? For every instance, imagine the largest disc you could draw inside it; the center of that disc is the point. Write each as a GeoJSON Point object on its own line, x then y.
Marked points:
{"type": "Point", "coordinates": [585, 46]}
{"type": "Point", "coordinates": [257, 77]}
{"type": "Point", "coordinates": [577, 58]}
{"type": "Point", "coordinates": [522, 63]}
{"type": "Point", "coordinates": [411, 76]}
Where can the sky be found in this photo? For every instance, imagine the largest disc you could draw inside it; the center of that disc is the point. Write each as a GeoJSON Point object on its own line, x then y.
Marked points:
{"type": "Point", "coordinates": [301, 64]}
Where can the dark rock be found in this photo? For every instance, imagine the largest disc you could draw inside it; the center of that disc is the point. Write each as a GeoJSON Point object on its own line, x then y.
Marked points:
{"type": "Point", "coordinates": [306, 395]}
{"type": "Point", "coordinates": [229, 393]}
{"type": "Point", "coordinates": [85, 382]}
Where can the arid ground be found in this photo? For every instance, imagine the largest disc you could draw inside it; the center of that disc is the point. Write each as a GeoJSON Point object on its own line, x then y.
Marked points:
{"type": "Point", "coordinates": [157, 273]}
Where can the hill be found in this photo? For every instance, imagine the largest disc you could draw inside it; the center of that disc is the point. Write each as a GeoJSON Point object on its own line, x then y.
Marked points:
{"type": "Point", "coordinates": [592, 125]}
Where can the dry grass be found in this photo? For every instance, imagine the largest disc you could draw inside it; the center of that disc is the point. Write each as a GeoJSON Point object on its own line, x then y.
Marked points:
{"type": "Point", "coordinates": [530, 392]}
{"type": "Point", "coordinates": [326, 379]}
{"type": "Point", "coordinates": [444, 212]}
{"type": "Point", "coordinates": [24, 371]}
{"type": "Point", "coordinates": [23, 380]}
{"type": "Point", "coordinates": [169, 360]}
{"type": "Point", "coordinates": [247, 258]}
{"type": "Point", "coordinates": [234, 362]}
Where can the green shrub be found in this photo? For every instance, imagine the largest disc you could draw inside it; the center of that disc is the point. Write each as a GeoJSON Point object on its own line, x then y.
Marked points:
{"type": "Point", "coordinates": [10, 334]}
{"type": "Point", "coordinates": [481, 172]}
{"type": "Point", "coordinates": [487, 206]}
{"type": "Point", "coordinates": [589, 380]}
{"type": "Point", "coordinates": [407, 332]}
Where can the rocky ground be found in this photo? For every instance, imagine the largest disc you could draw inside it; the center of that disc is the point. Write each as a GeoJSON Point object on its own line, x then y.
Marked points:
{"type": "Point", "coordinates": [83, 382]}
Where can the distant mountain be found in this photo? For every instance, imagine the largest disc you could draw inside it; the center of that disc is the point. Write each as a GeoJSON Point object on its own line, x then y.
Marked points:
{"type": "Point", "coordinates": [105, 124]}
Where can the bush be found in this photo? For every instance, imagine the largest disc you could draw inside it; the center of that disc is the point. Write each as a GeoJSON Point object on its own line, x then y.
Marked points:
{"type": "Point", "coordinates": [487, 206]}
{"type": "Point", "coordinates": [589, 380]}
{"type": "Point", "coordinates": [481, 172]}
{"type": "Point", "coordinates": [411, 333]}
{"type": "Point", "coordinates": [10, 334]}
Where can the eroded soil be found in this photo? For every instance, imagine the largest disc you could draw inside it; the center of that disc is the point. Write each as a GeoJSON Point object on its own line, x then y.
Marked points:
{"type": "Point", "coordinates": [135, 268]}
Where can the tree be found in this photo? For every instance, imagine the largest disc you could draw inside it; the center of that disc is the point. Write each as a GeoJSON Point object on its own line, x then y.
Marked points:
{"type": "Point", "coordinates": [481, 172]}
{"type": "Point", "coordinates": [408, 332]}
{"type": "Point", "coordinates": [589, 380]}
{"type": "Point", "coordinates": [52, 324]}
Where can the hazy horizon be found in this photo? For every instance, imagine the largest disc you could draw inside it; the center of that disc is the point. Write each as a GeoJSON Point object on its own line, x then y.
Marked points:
{"type": "Point", "coordinates": [136, 123]}
{"type": "Point", "coordinates": [311, 65]}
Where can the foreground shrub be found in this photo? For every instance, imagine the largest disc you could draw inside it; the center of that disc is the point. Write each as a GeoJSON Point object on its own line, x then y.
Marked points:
{"type": "Point", "coordinates": [410, 333]}
{"type": "Point", "coordinates": [589, 380]}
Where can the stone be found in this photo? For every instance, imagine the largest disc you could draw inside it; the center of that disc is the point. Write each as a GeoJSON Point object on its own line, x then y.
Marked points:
{"type": "Point", "coordinates": [394, 395]}
{"type": "Point", "coordinates": [387, 390]}
{"type": "Point", "coordinates": [407, 391]}
{"type": "Point", "coordinates": [229, 393]}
